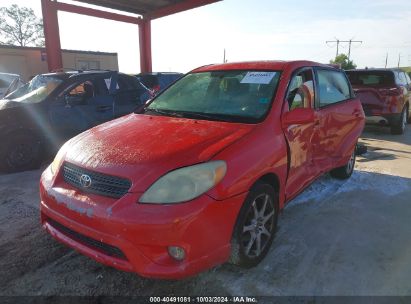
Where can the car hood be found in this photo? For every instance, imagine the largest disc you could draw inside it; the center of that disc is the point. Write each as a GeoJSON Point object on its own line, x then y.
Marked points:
{"type": "Point", "coordinates": [8, 104]}
{"type": "Point", "coordinates": [143, 148]}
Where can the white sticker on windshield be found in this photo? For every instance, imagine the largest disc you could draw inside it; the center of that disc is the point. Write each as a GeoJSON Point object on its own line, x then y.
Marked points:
{"type": "Point", "coordinates": [258, 77]}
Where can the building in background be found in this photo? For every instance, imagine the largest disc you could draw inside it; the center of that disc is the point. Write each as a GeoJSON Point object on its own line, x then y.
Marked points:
{"type": "Point", "coordinates": [31, 61]}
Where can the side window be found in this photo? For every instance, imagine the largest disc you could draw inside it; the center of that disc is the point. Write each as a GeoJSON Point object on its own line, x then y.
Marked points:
{"type": "Point", "coordinates": [408, 78]}
{"type": "Point", "coordinates": [301, 90]}
{"type": "Point", "coordinates": [129, 91]}
{"type": "Point", "coordinates": [83, 91]}
{"type": "Point", "coordinates": [333, 87]}
{"type": "Point", "coordinates": [401, 80]}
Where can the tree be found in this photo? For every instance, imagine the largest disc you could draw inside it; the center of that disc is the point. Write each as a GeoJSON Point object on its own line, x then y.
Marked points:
{"type": "Point", "coordinates": [346, 64]}
{"type": "Point", "coordinates": [20, 26]}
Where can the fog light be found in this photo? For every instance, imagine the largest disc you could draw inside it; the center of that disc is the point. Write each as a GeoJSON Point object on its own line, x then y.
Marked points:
{"type": "Point", "coordinates": [176, 252]}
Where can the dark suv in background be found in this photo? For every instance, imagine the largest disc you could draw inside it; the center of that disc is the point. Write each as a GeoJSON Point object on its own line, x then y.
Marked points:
{"type": "Point", "coordinates": [54, 107]}
{"type": "Point", "coordinates": [385, 95]}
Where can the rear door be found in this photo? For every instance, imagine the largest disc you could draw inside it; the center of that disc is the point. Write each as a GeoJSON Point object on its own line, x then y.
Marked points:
{"type": "Point", "coordinates": [128, 95]}
{"type": "Point", "coordinates": [300, 137]}
{"type": "Point", "coordinates": [339, 119]}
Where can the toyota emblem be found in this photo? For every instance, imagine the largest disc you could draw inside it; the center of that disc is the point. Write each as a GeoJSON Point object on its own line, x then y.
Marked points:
{"type": "Point", "coordinates": [85, 181]}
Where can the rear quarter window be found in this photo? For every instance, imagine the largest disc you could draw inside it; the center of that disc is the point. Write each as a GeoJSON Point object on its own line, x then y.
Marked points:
{"type": "Point", "coordinates": [333, 87]}
{"type": "Point", "coordinates": [400, 78]}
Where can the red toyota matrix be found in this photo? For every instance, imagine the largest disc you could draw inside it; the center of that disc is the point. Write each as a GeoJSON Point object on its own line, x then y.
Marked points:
{"type": "Point", "coordinates": [199, 175]}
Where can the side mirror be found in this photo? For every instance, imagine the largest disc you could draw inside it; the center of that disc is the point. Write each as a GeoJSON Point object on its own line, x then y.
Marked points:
{"type": "Point", "coordinates": [298, 116]}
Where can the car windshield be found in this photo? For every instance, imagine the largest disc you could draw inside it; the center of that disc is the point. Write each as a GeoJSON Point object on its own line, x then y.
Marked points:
{"type": "Point", "coordinates": [36, 90]}
{"type": "Point", "coordinates": [234, 96]}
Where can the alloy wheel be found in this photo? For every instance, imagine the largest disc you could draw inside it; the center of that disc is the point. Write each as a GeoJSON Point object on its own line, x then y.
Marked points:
{"type": "Point", "coordinates": [258, 226]}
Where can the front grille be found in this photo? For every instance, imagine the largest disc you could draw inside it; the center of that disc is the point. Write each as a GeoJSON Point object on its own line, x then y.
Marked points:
{"type": "Point", "coordinates": [105, 185]}
{"type": "Point", "coordinates": [92, 243]}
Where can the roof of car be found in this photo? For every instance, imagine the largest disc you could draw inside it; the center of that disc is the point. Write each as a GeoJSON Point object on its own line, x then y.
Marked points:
{"type": "Point", "coordinates": [259, 65]}
{"type": "Point", "coordinates": [9, 74]}
{"type": "Point", "coordinates": [159, 73]}
{"type": "Point", "coordinates": [375, 69]}
{"type": "Point", "coordinates": [69, 74]}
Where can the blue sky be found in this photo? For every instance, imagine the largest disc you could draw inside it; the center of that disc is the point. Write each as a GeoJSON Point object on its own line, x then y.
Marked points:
{"type": "Point", "coordinates": [251, 30]}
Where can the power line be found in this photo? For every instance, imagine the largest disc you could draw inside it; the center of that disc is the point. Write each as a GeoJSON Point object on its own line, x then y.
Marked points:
{"type": "Point", "coordinates": [350, 42]}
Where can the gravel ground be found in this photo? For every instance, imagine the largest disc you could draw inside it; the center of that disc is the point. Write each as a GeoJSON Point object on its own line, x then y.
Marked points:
{"type": "Point", "coordinates": [336, 238]}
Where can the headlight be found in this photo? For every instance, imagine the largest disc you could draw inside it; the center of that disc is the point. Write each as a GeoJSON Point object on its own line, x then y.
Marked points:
{"type": "Point", "coordinates": [55, 165]}
{"type": "Point", "coordinates": [185, 184]}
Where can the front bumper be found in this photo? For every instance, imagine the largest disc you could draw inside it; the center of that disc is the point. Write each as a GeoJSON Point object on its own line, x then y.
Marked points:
{"type": "Point", "coordinates": [104, 229]}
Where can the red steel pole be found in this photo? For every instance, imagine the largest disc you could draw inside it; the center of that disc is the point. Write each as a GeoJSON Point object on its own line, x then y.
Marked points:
{"type": "Point", "coordinates": [52, 35]}
{"type": "Point", "coordinates": [145, 46]}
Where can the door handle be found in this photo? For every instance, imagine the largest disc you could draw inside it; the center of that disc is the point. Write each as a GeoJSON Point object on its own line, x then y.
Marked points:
{"type": "Point", "coordinates": [356, 112]}
{"type": "Point", "coordinates": [103, 108]}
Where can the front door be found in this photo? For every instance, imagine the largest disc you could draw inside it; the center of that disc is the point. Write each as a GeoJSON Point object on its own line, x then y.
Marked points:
{"type": "Point", "coordinates": [81, 107]}
{"type": "Point", "coordinates": [301, 94]}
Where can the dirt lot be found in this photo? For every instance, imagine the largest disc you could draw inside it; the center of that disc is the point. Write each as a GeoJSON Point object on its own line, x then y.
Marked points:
{"type": "Point", "coordinates": [336, 238]}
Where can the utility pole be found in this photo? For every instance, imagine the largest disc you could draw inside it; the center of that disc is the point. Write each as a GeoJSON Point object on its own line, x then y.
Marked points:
{"type": "Point", "coordinates": [349, 46]}
{"type": "Point", "coordinates": [399, 59]}
{"type": "Point", "coordinates": [386, 60]}
{"type": "Point", "coordinates": [338, 44]}
{"type": "Point", "coordinates": [224, 60]}
{"type": "Point", "coordinates": [350, 42]}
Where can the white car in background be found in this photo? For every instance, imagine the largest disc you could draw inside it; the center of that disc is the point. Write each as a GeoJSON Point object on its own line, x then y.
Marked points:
{"type": "Point", "coordinates": [9, 83]}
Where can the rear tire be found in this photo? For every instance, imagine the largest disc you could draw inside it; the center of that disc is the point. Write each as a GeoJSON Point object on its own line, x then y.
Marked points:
{"type": "Point", "coordinates": [398, 128]}
{"type": "Point", "coordinates": [345, 171]}
{"type": "Point", "coordinates": [21, 152]}
{"type": "Point", "coordinates": [255, 227]}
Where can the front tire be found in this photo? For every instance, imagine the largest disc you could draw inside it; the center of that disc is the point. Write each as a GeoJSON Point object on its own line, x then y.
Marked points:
{"type": "Point", "coordinates": [21, 152]}
{"type": "Point", "coordinates": [255, 227]}
{"type": "Point", "coordinates": [345, 171]}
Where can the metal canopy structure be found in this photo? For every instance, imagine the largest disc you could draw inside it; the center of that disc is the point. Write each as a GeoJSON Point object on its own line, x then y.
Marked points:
{"type": "Point", "coordinates": [147, 9]}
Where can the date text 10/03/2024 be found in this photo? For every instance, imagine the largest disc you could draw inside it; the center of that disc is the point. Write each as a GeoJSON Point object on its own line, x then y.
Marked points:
{"type": "Point", "coordinates": [203, 300]}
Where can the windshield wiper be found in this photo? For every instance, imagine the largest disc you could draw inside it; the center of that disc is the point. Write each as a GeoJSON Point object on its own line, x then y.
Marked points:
{"type": "Point", "coordinates": [163, 112]}
{"type": "Point", "coordinates": [208, 116]}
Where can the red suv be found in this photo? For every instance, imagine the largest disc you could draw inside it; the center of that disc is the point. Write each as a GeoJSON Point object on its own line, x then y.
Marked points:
{"type": "Point", "coordinates": [385, 95]}
{"type": "Point", "coordinates": [199, 175]}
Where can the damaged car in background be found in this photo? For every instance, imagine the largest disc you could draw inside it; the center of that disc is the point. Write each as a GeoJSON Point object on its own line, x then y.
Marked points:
{"type": "Point", "coordinates": [385, 95]}
{"type": "Point", "coordinates": [197, 177]}
{"type": "Point", "coordinates": [38, 117]}
{"type": "Point", "coordinates": [9, 83]}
